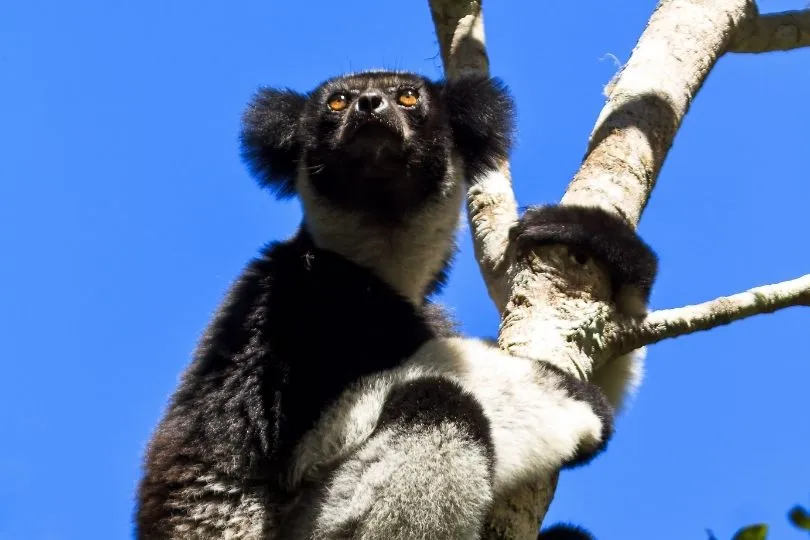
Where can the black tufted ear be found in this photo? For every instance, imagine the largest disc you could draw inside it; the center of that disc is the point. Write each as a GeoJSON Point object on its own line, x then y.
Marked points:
{"type": "Point", "coordinates": [481, 113]}
{"type": "Point", "coordinates": [269, 138]}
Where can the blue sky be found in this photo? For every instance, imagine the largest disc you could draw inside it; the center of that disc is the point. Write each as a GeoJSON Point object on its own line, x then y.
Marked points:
{"type": "Point", "coordinates": [125, 214]}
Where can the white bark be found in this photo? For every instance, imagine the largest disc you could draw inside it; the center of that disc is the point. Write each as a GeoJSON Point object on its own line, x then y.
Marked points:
{"type": "Point", "coordinates": [662, 324]}
{"type": "Point", "coordinates": [774, 32]}
{"type": "Point", "coordinates": [553, 308]}
{"type": "Point", "coordinates": [491, 205]}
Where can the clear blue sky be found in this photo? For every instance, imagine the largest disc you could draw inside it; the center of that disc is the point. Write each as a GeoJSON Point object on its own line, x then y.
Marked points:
{"type": "Point", "coordinates": [125, 214]}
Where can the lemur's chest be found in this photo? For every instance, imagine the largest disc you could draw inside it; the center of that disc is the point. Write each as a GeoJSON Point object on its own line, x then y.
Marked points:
{"type": "Point", "coordinates": [330, 323]}
{"type": "Point", "coordinates": [361, 324]}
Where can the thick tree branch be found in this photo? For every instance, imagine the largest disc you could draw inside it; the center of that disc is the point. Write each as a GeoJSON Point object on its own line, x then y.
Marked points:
{"type": "Point", "coordinates": [646, 104]}
{"type": "Point", "coordinates": [460, 31]}
{"type": "Point", "coordinates": [669, 323]}
{"type": "Point", "coordinates": [648, 100]}
{"type": "Point", "coordinates": [774, 32]}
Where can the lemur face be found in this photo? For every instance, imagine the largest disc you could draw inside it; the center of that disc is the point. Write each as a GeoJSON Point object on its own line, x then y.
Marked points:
{"type": "Point", "coordinates": [374, 116]}
{"type": "Point", "coordinates": [379, 143]}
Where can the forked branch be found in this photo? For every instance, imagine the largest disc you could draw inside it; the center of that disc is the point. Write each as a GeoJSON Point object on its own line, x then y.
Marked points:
{"type": "Point", "coordinates": [491, 205]}
{"type": "Point", "coordinates": [774, 32]}
{"type": "Point", "coordinates": [549, 308]}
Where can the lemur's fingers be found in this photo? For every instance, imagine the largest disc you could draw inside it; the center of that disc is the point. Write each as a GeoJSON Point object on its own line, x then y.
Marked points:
{"type": "Point", "coordinates": [595, 233]}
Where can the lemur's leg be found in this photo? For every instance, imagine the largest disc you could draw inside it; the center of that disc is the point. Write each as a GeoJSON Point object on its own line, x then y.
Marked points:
{"type": "Point", "coordinates": [592, 232]}
{"type": "Point", "coordinates": [424, 472]}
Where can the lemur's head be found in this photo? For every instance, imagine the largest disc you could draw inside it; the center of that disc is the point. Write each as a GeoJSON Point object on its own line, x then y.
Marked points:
{"type": "Point", "coordinates": [379, 143]}
{"type": "Point", "coordinates": [378, 159]}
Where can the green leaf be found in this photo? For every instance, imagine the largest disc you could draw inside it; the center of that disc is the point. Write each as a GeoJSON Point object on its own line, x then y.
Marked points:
{"type": "Point", "coordinates": [800, 518]}
{"type": "Point", "coordinates": [752, 532]}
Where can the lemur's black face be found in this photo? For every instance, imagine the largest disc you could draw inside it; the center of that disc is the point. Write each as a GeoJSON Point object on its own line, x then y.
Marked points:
{"type": "Point", "coordinates": [372, 117]}
{"type": "Point", "coordinates": [380, 143]}
{"type": "Point", "coordinates": [376, 142]}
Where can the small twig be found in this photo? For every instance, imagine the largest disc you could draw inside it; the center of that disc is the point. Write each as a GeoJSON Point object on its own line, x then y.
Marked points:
{"type": "Point", "coordinates": [669, 323]}
{"type": "Point", "coordinates": [774, 32]}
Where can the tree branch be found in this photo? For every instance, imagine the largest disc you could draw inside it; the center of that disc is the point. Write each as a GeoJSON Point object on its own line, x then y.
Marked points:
{"type": "Point", "coordinates": [669, 323]}
{"type": "Point", "coordinates": [774, 32]}
{"type": "Point", "coordinates": [491, 204]}
{"type": "Point", "coordinates": [648, 100]}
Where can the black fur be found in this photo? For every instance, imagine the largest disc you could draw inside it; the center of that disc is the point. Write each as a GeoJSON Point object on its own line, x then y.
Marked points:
{"type": "Point", "coordinates": [596, 400]}
{"type": "Point", "coordinates": [270, 143]}
{"type": "Point", "coordinates": [298, 327]}
{"type": "Point", "coordinates": [302, 323]}
{"type": "Point", "coordinates": [353, 156]}
{"type": "Point", "coordinates": [482, 119]}
{"type": "Point", "coordinates": [596, 232]}
{"type": "Point", "coordinates": [565, 532]}
{"type": "Point", "coordinates": [433, 401]}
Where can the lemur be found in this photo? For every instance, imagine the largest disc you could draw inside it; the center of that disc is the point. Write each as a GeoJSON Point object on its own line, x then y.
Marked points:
{"type": "Point", "coordinates": [330, 398]}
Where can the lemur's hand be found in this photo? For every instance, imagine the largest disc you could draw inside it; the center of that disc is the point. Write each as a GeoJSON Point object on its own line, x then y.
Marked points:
{"type": "Point", "coordinates": [592, 232]}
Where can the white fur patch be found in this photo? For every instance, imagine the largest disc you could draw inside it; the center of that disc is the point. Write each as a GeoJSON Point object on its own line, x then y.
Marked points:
{"type": "Point", "coordinates": [620, 377]}
{"type": "Point", "coordinates": [535, 425]}
{"type": "Point", "coordinates": [342, 428]}
{"type": "Point", "coordinates": [429, 483]}
{"type": "Point", "coordinates": [407, 258]}
{"type": "Point", "coordinates": [208, 509]}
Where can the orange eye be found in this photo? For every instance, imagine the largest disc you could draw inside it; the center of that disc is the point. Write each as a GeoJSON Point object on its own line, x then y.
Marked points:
{"type": "Point", "coordinates": [408, 98]}
{"type": "Point", "coordinates": [338, 102]}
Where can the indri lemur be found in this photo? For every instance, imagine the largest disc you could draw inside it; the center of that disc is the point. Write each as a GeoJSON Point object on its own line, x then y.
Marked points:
{"type": "Point", "coordinates": [328, 390]}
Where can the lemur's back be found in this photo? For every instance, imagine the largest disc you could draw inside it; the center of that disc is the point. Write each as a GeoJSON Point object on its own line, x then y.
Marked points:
{"type": "Point", "coordinates": [299, 326]}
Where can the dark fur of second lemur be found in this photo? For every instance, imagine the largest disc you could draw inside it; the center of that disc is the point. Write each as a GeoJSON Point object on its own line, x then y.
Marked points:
{"type": "Point", "coordinates": [596, 232]}
{"type": "Point", "coordinates": [565, 532]}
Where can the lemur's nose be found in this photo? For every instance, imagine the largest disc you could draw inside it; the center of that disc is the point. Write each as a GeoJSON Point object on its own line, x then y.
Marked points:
{"type": "Point", "coordinates": [370, 102]}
